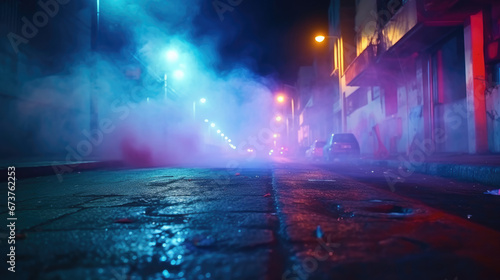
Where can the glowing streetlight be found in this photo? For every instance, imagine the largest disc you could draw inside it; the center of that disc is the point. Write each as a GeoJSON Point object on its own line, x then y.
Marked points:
{"type": "Point", "coordinates": [225, 138]}
{"type": "Point", "coordinates": [222, 134]}
{"type": "Point", "coordinates": [229, 140]}
{"type": "Point", "coordinates": [320, 38]}
{"type": "Point", "coordinates": [275, 135]}
{"type": "Point", "coordinates": [172, 55]}
{"type": "Point", "coordinates": [218, 131]}
{"type": "Point", "coordinates": [280, 98]}
{"type": "Point", "coordinates": [178, 74]}
{"type": "Point", "coordinates": [206, 120]}
{"type": "Point", "coordinates": [212, 124]}
{"type": "Point", "coordinates": [203, 100]}
{"type": "Point", "coordinates": [279, 118]}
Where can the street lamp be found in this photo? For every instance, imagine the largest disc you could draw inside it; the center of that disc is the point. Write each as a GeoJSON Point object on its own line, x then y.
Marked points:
{"type": "Point", "coordinates": [172, 55]}
{"type": "Point", "coordinates": [278, 118]}
{"type": "Point", "coordinates": [337, 50]}
{"type": "Point", "coordinates": [179, 74]}
{"type": "Point", "coordinates": [319, 38]}
{"type": "Point", "coordinates": [338, 65]}
{"type": "Point", "coordinates": [281, 98]}
{"type": "Point", "coordinates": [202, 101]}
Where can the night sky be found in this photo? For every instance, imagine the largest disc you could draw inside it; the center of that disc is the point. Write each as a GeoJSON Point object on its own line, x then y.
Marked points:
{"type": "Point", "coordinates": [272, 38]}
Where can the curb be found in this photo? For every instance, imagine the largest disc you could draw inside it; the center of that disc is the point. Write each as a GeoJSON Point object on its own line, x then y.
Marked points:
{"type": "Point", "coordinates": [489, 175]}
{"type": "Point", "coordinates": [59, 169]}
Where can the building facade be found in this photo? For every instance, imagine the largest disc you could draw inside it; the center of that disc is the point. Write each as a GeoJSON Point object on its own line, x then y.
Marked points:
{"type": "Point", "coordinates": [417, 74]}
{"type": "Point", "coordinates": [43, 107]}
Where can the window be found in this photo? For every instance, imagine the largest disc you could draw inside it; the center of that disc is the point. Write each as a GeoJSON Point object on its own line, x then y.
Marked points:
{"type": "Point", "coordinates": [357, 100]}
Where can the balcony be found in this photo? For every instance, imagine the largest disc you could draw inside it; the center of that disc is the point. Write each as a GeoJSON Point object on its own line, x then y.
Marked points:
{"type": "Point", "coordinates": [416, 26]}
{"type": "Point", "coordinates": [421, 23]}
{"type": "Point", "coordinates": [361, 72]}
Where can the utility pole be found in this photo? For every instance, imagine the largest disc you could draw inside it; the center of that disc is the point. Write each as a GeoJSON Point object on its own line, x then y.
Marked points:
{"type": "Point", "coordinates": [94, 46]}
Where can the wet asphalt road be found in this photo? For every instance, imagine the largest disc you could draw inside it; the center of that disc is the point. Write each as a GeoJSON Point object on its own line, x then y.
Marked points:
{"type": "Point", "coordinates": [280, 220]}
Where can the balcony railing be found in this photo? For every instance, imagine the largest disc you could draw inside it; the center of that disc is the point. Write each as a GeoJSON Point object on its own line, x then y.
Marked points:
{"type": "Point", "coordinates": [360, 65]}
{"type": "Point", "coordinates": [418, 24]}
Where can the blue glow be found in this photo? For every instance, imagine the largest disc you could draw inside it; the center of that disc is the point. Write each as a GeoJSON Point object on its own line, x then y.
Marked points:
{"type": "Point", "coordinates": [172, 55]}
{"type": "Point", "coordinates": [179, 74]}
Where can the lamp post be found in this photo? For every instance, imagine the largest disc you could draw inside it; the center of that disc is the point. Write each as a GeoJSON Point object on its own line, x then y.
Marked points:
{"type": "Point", "coordinates": [338, 63]}
{"type": "Point", "coordinates": [281, 98]}
{"type": "Point", "coordinates": [172, 56]}
{"type": "Point", "coordinates": [338, 53]}
{"type": "Point", "coordinates": [321, 38]}
{"type": "Point", "coordinates": [202, 101]}
{"type": "Point", "coordinates": [94, 46]}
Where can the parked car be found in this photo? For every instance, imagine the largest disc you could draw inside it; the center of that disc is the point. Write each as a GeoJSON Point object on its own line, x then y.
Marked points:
{"type": "Point", "coordinates": [315, 152]}
{"type": "Point", "coordinates": [341, 144]}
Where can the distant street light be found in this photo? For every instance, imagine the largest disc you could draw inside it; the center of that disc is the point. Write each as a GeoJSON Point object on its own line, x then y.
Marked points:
{"type": "Point", "coordinates": [222, 134]}
{"type": "Point", "coordinates": [218, 131]}
{"type": "Point", "coordinates": [281, 99]}
{"type": "Point", "coordinates": [203, 100]}
{"type": "Point", "coordinates": [212, 124]}
{"type": "Point", "coordinates": [206, 120]}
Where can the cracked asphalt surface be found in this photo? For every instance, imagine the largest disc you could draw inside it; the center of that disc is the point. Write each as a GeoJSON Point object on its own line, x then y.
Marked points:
{"type": "Point", "coordinates": [280, 220]}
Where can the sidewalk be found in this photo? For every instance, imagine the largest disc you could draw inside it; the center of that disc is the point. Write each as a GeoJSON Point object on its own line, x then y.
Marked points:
{"type": "Point", "coordinates": [36, 167]}
{"type": "Point", "coordinates": [484, 169]}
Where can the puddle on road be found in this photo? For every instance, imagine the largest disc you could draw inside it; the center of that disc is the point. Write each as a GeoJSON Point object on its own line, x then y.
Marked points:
{"type": "Point", "coordinates": [339, 212]}
{"type": "Point", "coordinates": [390, 210]}
{"type": "Point", "coordinates": [372, 208]}
{"type": "Point", "coordinates": [493, 192]}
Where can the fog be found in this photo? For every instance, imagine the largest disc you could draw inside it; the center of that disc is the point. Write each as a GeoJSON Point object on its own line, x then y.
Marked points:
{"type": "Point", "coordinates": [113, 105]}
